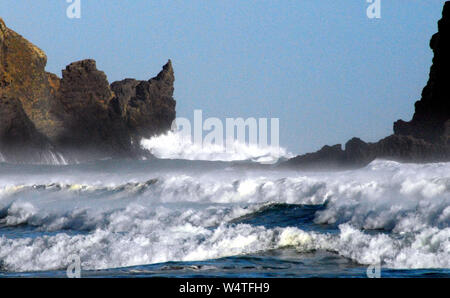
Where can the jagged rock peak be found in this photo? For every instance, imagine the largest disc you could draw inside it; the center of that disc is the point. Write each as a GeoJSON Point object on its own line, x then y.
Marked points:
{"type": "Point", "coordinates": [2, 30]}
{"type": "Point", "coordinates": [82, 79]}
{"type": "Point", "coordinates": [80, 115]}
{"type": "Point", "coordinates": [432, 111]}
{"type": "Point", "coordinates": [86, 64]}
{"type": "Point", "coordinates": [426, 138]}
{"type": "Point", "coordinates": [167, 73]}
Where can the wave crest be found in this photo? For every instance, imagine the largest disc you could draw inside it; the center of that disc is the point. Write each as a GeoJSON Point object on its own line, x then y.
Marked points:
{"type": "Point", "coordinates": [174, 145]}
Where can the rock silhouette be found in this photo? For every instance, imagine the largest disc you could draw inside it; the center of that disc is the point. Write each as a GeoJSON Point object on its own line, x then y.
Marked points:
{"type": "Point", "coordinates": [426, 138]}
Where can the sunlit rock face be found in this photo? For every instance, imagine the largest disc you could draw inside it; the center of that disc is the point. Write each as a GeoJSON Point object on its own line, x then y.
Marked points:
{"type": "Point", "coordinates": [79, 115]}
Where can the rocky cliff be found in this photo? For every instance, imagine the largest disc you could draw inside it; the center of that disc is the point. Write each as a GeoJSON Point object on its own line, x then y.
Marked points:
{"type": "Point", "coordinates": [426, 138]}
{"type": "Point", "coordinates": [79, 115]}
{"type": "Point", "coordinates": [432, 112]}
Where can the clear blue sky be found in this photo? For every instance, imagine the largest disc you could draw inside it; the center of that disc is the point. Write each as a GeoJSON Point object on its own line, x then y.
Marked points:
{"type": "Point", "coordinates": [321, 66]}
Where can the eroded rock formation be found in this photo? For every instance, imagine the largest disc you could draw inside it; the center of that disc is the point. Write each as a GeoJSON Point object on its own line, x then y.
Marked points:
{"type": "Point", "coordinates": [147, 106]}
{"type": "Point", "coordinates": [80, 115]}
{"type": "Point", "coordinates": [426, 138]}
{"type": "Point", "coordinates": [432, 111]}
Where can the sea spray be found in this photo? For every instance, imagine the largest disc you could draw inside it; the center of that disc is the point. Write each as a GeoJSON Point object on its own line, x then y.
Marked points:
{"type": "Point", "coordinates": [175, 145]}
{"type": "Point", "coordinates": [115, 215]}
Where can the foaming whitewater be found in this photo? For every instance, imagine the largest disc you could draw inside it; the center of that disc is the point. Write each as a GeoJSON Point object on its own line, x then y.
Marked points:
{"type": "Point", "coordinates": [175, 145]}
{"type": "Point", "coordinates": [117, 214]}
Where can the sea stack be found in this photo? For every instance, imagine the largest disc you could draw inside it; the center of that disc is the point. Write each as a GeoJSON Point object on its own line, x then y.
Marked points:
{"type": "Point", "coordinates": [80, 115]}
{"type": "Point", "coordinates": [431, 120]}
{"type": "Point", "coordinates": [426, 138]}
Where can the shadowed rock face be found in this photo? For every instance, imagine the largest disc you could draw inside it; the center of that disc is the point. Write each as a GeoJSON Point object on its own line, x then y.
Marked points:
{"type": "Point", "coordinates": [80, 115]}
{"type": "Point", "coordinates": [426, 138]}
{"type": "Point", "coordinates": [83, 103]}
{"type": "Point", "coordinates": [18, 135]}
{"type": "Point", "coordinates": [432, 111]}
{"type": "Point", "coordinates": [148, 107]}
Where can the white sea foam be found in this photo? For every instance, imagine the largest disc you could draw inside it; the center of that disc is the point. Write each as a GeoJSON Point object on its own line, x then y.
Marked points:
{"type": "Point", "coordinates": [174, 145]}
{"type": "Point", "coordinates": [150, 216]}
{"type": "Point", "coordinates": [429, 248]}
{"type": "Point", "coordinates": [129, 241]}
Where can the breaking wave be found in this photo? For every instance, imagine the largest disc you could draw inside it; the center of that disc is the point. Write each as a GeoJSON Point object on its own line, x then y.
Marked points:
{"type": "Point", "coordinates": [174, 145]}
{"type": "Point", "coordinates": [389, 213]}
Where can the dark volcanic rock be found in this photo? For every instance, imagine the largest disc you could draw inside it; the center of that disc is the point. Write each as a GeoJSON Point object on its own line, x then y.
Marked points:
{"type": "Point", "coordinates": [80, 115]}
{"type": "Point", "coordinates": [358, 153]}
{"type": "Point", "coordinates": [433, 109]}
{"type": "Point", "coordinates": [148, 107]}
{"type": "Point", "coordinates": [19, 138]}
{"type": "Point", "coordinates": [327, 157]}
{"type": "Point", "coordinates": [426, 138]}
{"type": "Point", "coordinates": [90, 123]}
{"type": "Point", "coordinates": [410, 149]}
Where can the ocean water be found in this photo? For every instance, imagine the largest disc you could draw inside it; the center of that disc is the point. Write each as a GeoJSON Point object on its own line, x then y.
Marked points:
{"type": "Point", "coordinates": [223, 217]}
